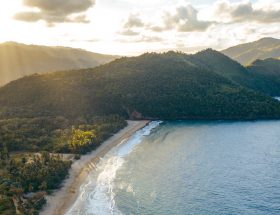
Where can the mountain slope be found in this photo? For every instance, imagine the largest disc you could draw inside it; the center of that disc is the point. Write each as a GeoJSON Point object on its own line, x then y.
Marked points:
{"type": "Point", "coordinates": [243, 76]}
{"type": "Point", "coordinates": [249, 52]}
{"type": "Point", "coordinates": [269, 68]}
{"type": "Point", "coordinates": [268, 71]}
{"type": "Point", "coordinates": [165, 86]}
{"type": "Point", "coordinates": [222, 65]}
{"type": "Point", "coordinates": [18, 60]}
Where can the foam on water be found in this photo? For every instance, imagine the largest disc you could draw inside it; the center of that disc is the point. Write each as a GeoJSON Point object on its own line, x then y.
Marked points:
{"type": "Point", "coordinates": [97, 195]}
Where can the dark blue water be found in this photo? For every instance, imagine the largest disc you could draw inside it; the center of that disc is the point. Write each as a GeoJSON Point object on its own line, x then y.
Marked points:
{"type": "Point", "coordinates": [194, 168]}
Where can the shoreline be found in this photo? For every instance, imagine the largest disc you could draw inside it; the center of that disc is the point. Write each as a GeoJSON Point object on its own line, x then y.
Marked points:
{"type": "Point", "coordinates": [61, 200]}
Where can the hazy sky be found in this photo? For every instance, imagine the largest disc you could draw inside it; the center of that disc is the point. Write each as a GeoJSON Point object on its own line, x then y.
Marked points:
{"type": "Point", "coordinates": [130, 27]}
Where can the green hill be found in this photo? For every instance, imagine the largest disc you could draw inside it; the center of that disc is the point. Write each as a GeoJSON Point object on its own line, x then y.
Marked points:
{"type": "Point", "coordinates": [166, 86]}
{"type": "Point", "coordinates": [18, 60]}
{"type": "Point", "coordinates": [269, 68]}
{"type": "Point", "coordinates": [257, 76]}
{"type": "Point", "coordinates": [223, 65]}
{"type": "Point", "coordinates": [249, 52]}
{"type": "Point", "coordinates": [268, 71]}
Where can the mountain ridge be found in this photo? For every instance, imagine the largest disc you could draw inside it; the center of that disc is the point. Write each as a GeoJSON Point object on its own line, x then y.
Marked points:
{"type": "Point", "coordinates": [151, 86]}
{"type": "Point", "coordinates": [247, 53]}
{"type": "Point", "coordinates": [18, 60]}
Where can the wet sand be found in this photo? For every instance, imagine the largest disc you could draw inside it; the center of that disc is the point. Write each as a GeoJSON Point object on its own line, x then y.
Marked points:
{"type": "Point", "coordinates": [61, 201]}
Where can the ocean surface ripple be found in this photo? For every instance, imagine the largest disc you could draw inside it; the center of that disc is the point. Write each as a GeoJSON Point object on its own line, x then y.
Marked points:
{"type": "Point", "coordinates": [97, 196]}
{"type": "Point", "coordinates": [188, 167]}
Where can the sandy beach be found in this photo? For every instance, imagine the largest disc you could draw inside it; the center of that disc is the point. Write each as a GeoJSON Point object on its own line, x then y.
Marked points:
{"type": "Point", "coordinates": [60, 201]}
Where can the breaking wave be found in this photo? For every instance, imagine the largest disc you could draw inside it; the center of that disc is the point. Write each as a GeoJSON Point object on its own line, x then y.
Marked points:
{"type": "Point", "coordinates": [97, 195]}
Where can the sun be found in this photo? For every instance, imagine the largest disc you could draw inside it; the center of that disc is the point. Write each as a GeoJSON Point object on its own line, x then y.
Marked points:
{"type": "Point", "coordinates": [8, 9]}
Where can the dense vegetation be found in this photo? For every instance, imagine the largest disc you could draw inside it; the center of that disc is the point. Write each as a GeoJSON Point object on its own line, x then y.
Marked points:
{"type": "Point", "coordinates": [35, 175]}
{"type": "Point", "coordinates": [25, 178]}
{"type": "Point", "coordinates": [268, 71]}
{"type": "Point", "coordinates": [57, 134]}
{"type": "Point", "coordinates": [261, 75]}
{"type": "Point", "coordinates": [166, 86]}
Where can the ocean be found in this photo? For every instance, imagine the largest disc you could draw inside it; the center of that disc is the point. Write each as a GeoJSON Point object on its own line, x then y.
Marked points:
{"type": "Point", "coordinates": [188, 167]}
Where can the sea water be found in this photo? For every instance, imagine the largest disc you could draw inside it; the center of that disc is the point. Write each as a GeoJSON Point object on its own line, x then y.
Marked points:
{"type": "Point", "coordinates": [188, 167]}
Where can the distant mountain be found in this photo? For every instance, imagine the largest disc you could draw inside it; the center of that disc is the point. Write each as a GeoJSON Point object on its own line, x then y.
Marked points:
{"type": "Point", "coordinates": [18, 60]}
{"type": "Point", "coordinates": [249, 52]}
{"type": "Point", "coordinates": [152, 86]}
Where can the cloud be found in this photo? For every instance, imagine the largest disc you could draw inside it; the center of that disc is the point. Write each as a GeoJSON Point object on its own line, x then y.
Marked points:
{"type": "Point", "coordinates": [132, 25]}
{"type": "Point", "coordinates": [184, 20]}
{"type": "Point", "coordinates": [149, 39]}
{"type": "Point", "coordinates": [133, 21]}
{"type": "Point", "coordinates": [246, 12]}
{"type": "Point", "coordinates": [94, 40]}
{"type": "Point", "coordinates": [141, 39]}
{"type": "Point", "coordinates": [28, 16]}
{"type": "Point", "coordinates": [129, 32]}
{"type": "Point", "coordinates": [55, 11]}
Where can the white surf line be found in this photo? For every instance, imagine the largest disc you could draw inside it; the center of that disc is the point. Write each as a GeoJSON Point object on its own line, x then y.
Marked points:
{"type": "Point", "coordinates": [100, 198]}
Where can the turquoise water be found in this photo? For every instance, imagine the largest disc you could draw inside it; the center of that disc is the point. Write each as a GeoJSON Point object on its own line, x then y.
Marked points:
{"type": "Point", "coordinates": [189, 168]}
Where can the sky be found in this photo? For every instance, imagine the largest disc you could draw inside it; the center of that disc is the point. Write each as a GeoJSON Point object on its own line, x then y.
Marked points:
{"type": "Point", "coordinates": [132, 27]}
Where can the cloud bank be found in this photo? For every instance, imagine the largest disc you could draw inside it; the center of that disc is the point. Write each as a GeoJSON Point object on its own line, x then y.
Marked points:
{"type": "Point", "coordinates": [247, 12]}
{"type": "Point", "coordinates": [55, 11]}
{"type": "Point", "coordinates": [185, 18]}
{"type": "Point", "coordinates": [182, 19]}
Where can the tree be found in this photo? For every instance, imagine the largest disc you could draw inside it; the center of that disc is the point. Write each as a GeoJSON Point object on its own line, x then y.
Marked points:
{"type": "Point", "coordinates": [43, 186]}
{"type": "Point", "coordinates": [45, 157]}
{"type": "Point", "coordinates": [81, 140]}
{"type": "Point", "coordinates": [5, 152]}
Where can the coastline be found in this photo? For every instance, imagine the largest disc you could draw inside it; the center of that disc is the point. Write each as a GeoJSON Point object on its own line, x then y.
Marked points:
{"type": "Point", "coordinates": [61, 200]}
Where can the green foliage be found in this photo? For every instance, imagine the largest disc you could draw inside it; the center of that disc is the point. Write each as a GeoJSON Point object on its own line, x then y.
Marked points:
{"type": "Point", "coordinates": [84, 138]}
{"type": "Point", "coordinates": [166, 86]}
{"type": "Point", "coordinates": [41, 172]}
{"type": "Point", "coordinates": [80, 139]}
{"type": "Point", "coordinates": [267, 76]}
{"type": "Point", "coordinates": [31, 134]}
{"type": "Point", "coordinates": [6, 205]}
{"type": "Point", "coordinates": [262, 76]}
{"type": "Point", "coordinates": [55, 133]}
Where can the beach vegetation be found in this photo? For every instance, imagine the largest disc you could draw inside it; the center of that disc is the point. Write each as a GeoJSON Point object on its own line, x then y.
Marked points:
{"type": "Point", "coordinates": [30, 166]}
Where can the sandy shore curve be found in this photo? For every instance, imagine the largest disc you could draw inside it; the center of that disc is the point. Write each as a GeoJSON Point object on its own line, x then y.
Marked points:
{"type": "Point", "coordinates": [61, 201]}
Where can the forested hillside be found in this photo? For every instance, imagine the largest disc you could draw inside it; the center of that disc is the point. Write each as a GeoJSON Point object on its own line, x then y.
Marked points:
{"type": "Point", "coordinates": [18, 60]}
{"type": "Point", "coordinates": [166, 86]}
{"type": "Point", "coordinates": [268, 68]}
{"type": "Point", "coordinates": [268, 73]}
{"type": "Point", "coordinates": [261, 75]}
